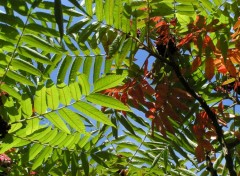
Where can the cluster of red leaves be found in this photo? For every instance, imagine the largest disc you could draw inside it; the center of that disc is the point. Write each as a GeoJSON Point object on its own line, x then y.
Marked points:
{"type": "Point", "coordinates": [165, 40]}
{"type": "Point", "coordinates": [167, 101]}
{"type": "Point", "coordinates": [204, 131]}
{"type": "Point", "coordinates": [199, 32]}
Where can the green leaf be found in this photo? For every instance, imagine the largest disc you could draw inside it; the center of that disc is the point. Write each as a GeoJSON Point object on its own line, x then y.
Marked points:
{"type": "Point", "coordinates": [97, 67]}
{"type": "Point", "coordinates": [63, 69]}
{"type": "Point", "coordinates": [186, 172]}
{"type": "Point", "coordinates": [59, 16]}
{"type": "Point", "coordinates": [39, 29]}
{"type": "Point", "coordinates": [75, 90]}
{"type": "Point", "coordinates": [19, 78]}
{"type": "Point", "coordinates": [13, 111]}
{"type": "Point", "coordinates": [34, 150]}
{"type": "Point", "coordinates": [99, 10]}
{"type": "Point", "coordinates": [77, 26]}
{"type": "Point", "coordinates": [55, 60]}
{"type": "Point", "coordinates": [52, 95]}
{"type": "Point", "coordinates": [15, 127]}
{"type": "Point", "coordinates": [108, 9]}
{"type": "Point", "coordinates": [92, 112]}
{"type": "Point", "coordinates": [117, 13]}
{"type": "Point", "coordinates": [64, 94]}
{"type": "Point", "coordinates": [99, 160]}
{"type": "Point", "coordinates": [43, 156]}
{"type": "Point", "coordinates": [25, 66]}
{"type": "Point", "coordinates": [75, 68]}
{"type": "Point", "coordinates": [8, 143]}
{"type": "Point", "coordinates": [125, 123]}
{"type": "Point", "coordinates": [40, 105]}
{"type": "Point", "coordinates": [87, 66]}
{"type": "Point", "coordinates": [114, 47]}
{"type": "Point", "coordinates": [85, 86]}
{"type": "Point", "coordinates": [32, 125]}
{"type": "Point", "coordinates": [57, 121]}
{"type": "Point", "coordinates": [73, 119]}
{"type": "Point", "coordinates": [107, 82]}
{"type": "Point", "coordinates": [85, 163]}
{"type": "Point", "coordinates": [51, 135]}
{"type": "Point", "coordinates": [156, 159]}
{"type": "Point", "coordinates": [107, 101]}
{"type": "Point", "coordinates": [88, 5]}
{"type": "Point", "coordinates": [124, 51]}
{"type": "Point", "coordinates": [32, 54]}
{"type": "Point", "coordinates": [38, 135]}
{"type": "Point", "coordinates": [11, 91]}
{"type": "Point", "coordinates": [59, 138]}
{"type": "Point", "coordinates": [33, 40]}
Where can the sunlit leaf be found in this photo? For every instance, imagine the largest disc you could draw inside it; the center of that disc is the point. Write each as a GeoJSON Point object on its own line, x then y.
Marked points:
{"type": "Point", "coordinates": [92, 112]}
{"type": "Point", "coordinates": [107, 101]}
{"type": "Point", "coordinates": [107, 82]}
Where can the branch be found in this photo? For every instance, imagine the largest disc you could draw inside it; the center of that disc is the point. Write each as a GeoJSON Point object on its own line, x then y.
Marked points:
{"type": "Point", "coordinates": [211, 115]}
{"type": "Point", "coordinates": [226, 149]}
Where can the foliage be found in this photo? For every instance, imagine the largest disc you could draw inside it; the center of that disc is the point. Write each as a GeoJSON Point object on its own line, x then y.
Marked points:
{"type": "Point", "coordinates": [79, 95]}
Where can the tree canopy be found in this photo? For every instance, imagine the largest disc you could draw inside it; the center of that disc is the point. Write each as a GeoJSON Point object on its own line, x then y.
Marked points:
{"type": "Point", "coordinates": [119, 87]}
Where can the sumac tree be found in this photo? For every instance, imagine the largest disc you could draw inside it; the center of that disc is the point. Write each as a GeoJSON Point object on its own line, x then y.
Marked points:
{"type": "Point", "coordinates": [119, 87]}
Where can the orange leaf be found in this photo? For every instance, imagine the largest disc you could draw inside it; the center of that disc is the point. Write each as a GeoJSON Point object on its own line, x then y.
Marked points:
{"type": "Point", "coordinates": [185, 40]}
{"type": "Point", "coordinates": [236, 25]}
{"type": "Point", "coordinates": [222, 69]}
{"type": "Point", "coordinates": [199, 152]}
{"type": "Point", "coordinates": [231, 68]}
{"type": "Point", "coordinates": [196, 63]}
{"type": "Point", "coordinates": [209, 68]}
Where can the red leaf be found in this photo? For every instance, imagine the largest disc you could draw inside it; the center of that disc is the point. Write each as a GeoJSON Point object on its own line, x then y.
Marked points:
{"type": "Point", "coordinates": [196, 63]}
{"type": "Point", "coordinates": [173, 22]}
{"type": "Point", "coordinates": [231, 68]}
{"type": "Point", "coordinates": [199, 152]}
{"type": "Point", "coordinates": [209, 68]}
{"type": "Point", "coordinates": [222, 69]}
{"type": "Point", "coordinates": [145, 67]}
{"type": "Point", "coordinates": [220, 107]}
{"type": "Point", "coordinates": [185, 40]}
{"type": "Point", "coordinates": [207, 145]}
{"type": "Point", "coordinates": [220, 66]}
{"type": "Point", "coordinates": [174, 101]}
{"type": "Point", "coordinates": [146, 88]}
{"type": "Point", "coordinates": [159, 125]}
{"type": "Point", "coordinates": [181, 94]}
{"type": "Point", "coordinates": [208, 42]}
{"type": "Point", "coordinates": [160, 24]}
{"type": "Point", "coordinates": [171, 113]}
